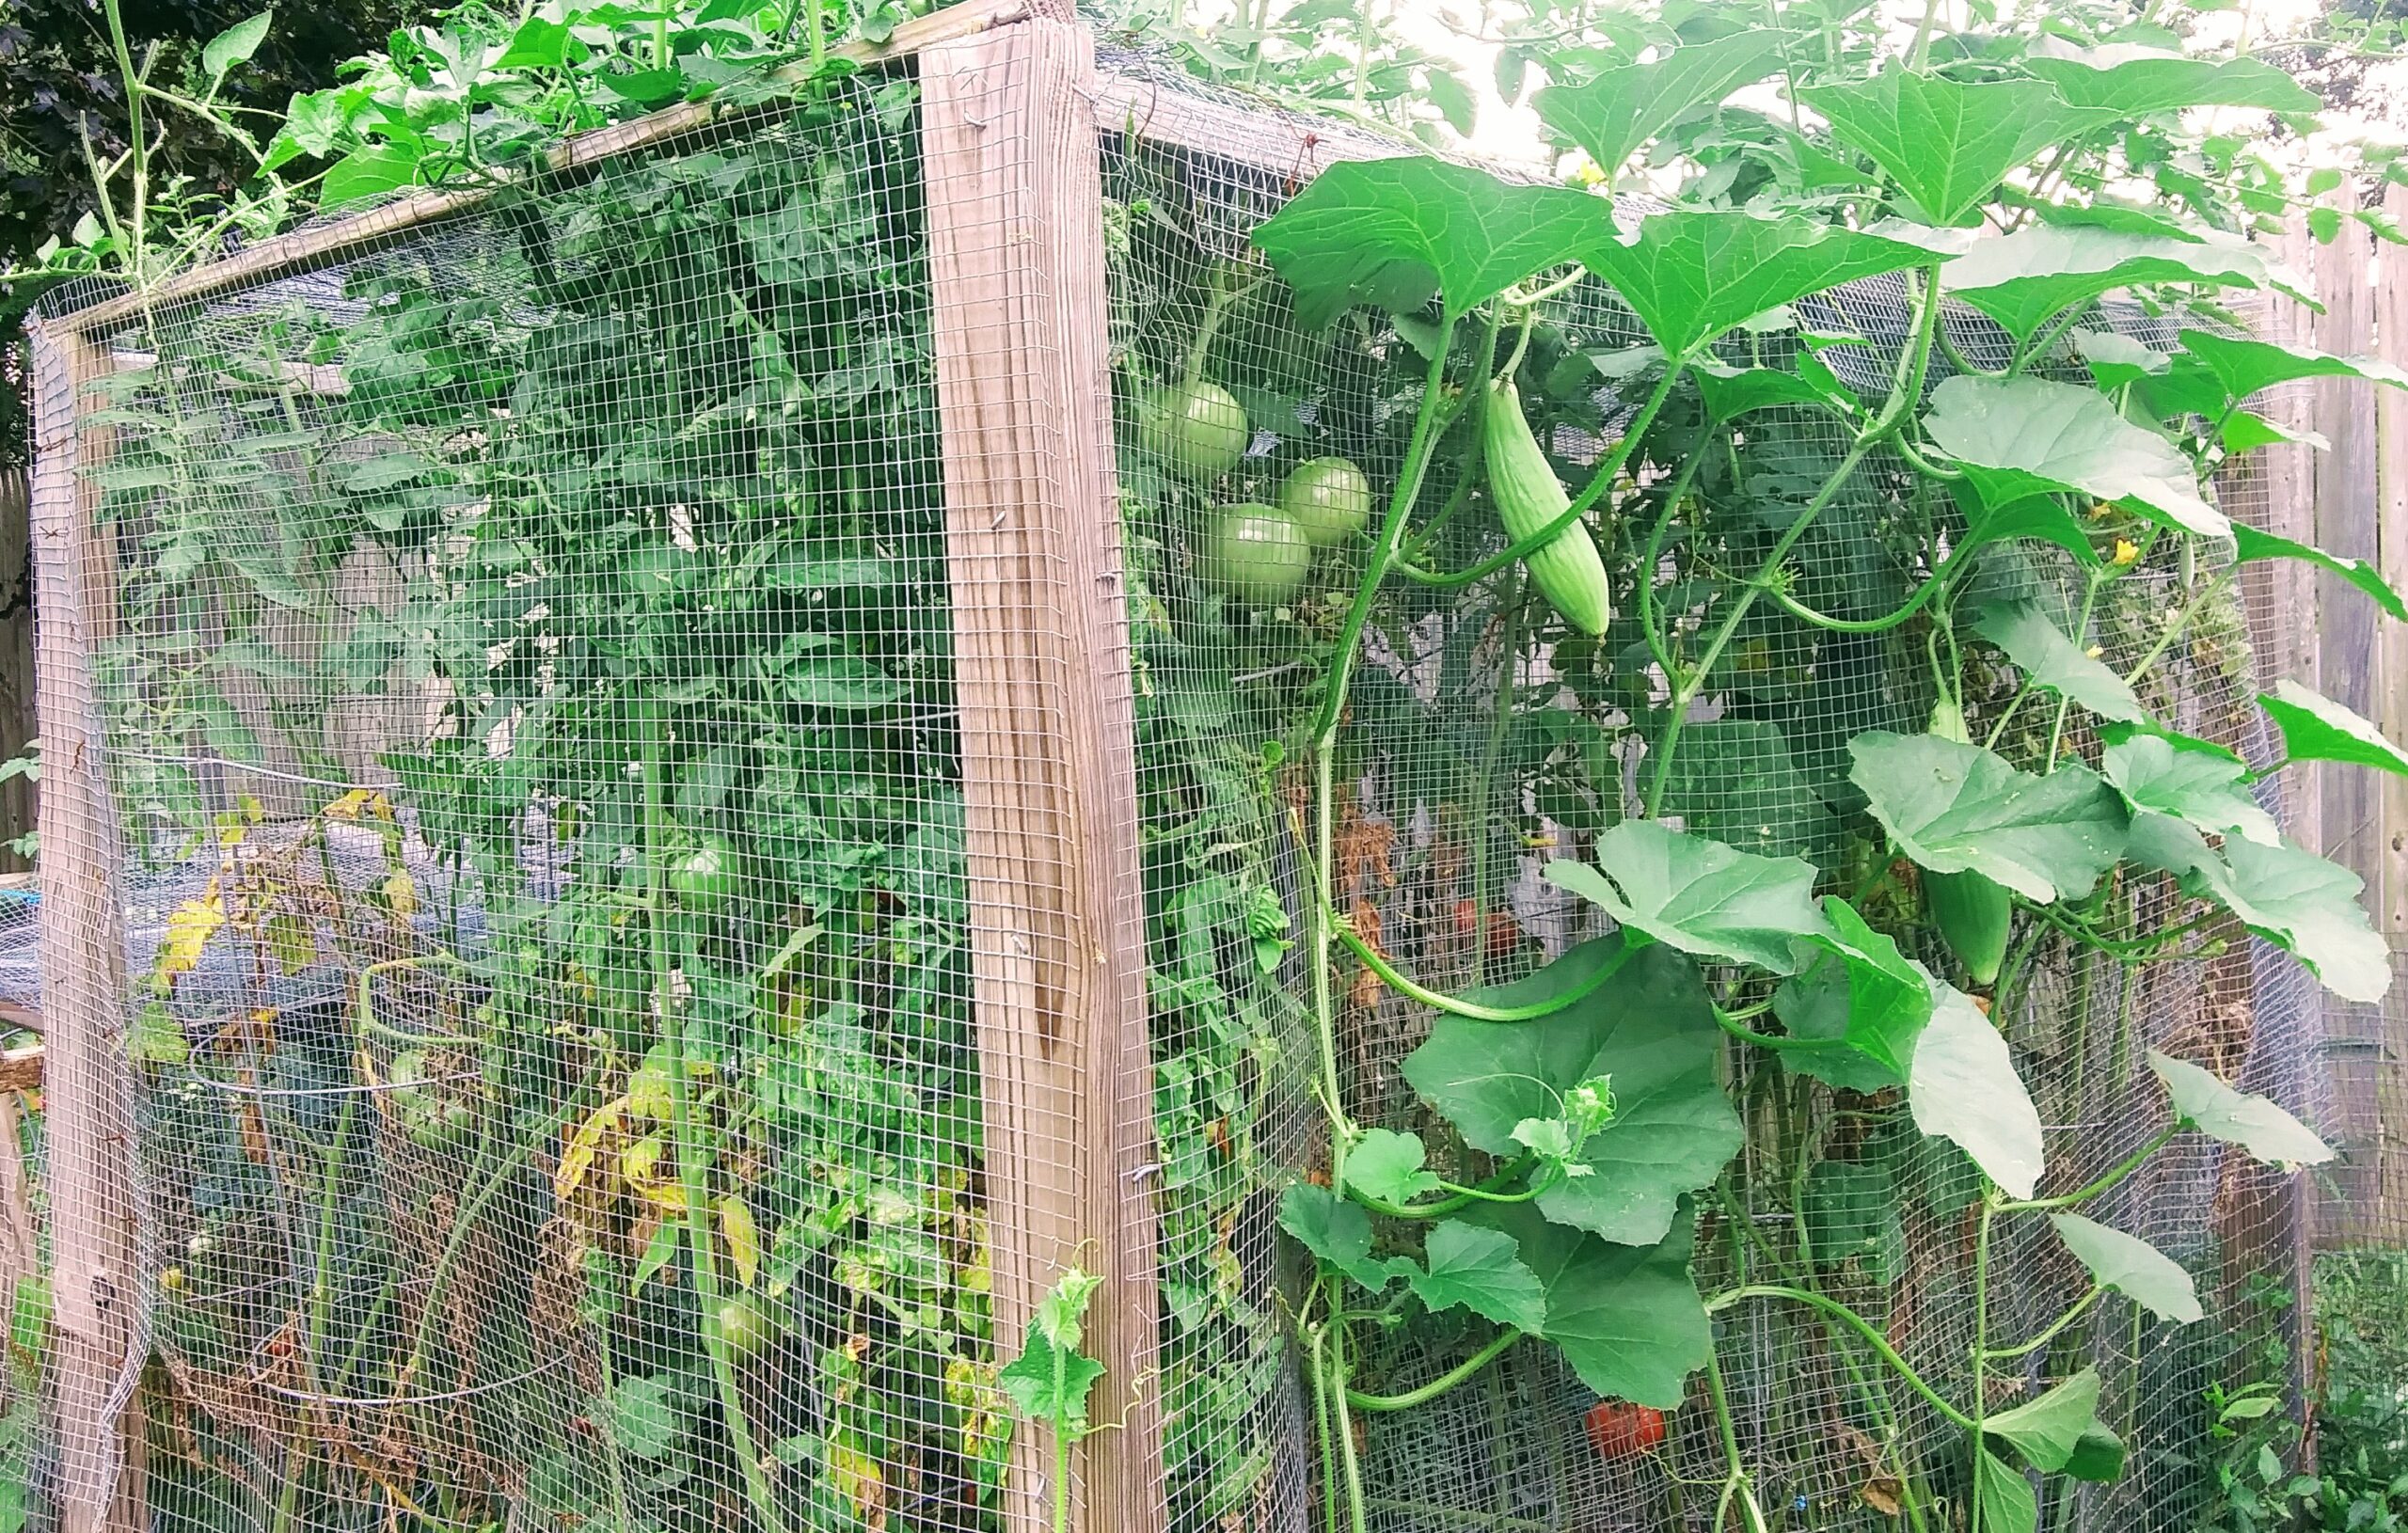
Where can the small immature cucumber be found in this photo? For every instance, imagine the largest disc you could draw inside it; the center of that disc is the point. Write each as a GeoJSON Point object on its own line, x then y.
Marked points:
{"type": "Point", "coordinates": [1973, 914]}
{"type": "Point", "coordinates": [1567, 571]}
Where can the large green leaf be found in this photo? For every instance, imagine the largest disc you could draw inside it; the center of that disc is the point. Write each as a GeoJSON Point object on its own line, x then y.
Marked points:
{"type": "Point", "coordinates": [1735, 781]}
{"type": "Point", "coordinates": [2136, 81]}
{"type": "Point", "coordinates": [2048, 1428]}
{"type": "Point", "coordinates": [2304, 904]}
{"type": "Point", "coordinates": [1626, 1318]}
{"type": "Point", "coordinates": [1955, 807]}
{"type": "Point", "coordinates": [2252, 1122]}
{"type": "Point", "coordinates": [1850, 1210]}
{"type": "Point", "coordinates": [1689, 277]}
{"type": "Point", "coordinates": [1948, 145]}
{"type": "Point", "coordinates": [2244, 365]}
{"type": "Point", "coordinates": [2008, 1504]}
{"type": "Point", "coordinates": [1698, 895]}
{"type": "Point", "coordinates": [2132, 1267]}
{"type": "Point", "coordinates": [2053, 661]}
{"type": "Point", "coordinates": [1964, 1088]}
{"type": "Point", "coordinates": [1648, 1030]}
{"type": "Point", "coordinates": [2028, 277]}
{"type": "Point", "coordinates": [2316, 728]}
{"type": "Point", "coordinates": [2249, 544]}
{"type": "Point", "coordinates": [1393, 232]}
{"type": "Point", "coordinates": [2016, 437]}
{"type": "Point", "coordinates": [1340, 1233]}
{"type": "Point", "coordinates": [2192, 780]}
{"type": "Point", "coordinates": [1387, 1165]}
{"type": "Point", "coordinates": [1862, 996]}
{"type": "Point", "coordinates": [1620, 109]}
{"type": "Point", "coordinates": [1481, 1270]}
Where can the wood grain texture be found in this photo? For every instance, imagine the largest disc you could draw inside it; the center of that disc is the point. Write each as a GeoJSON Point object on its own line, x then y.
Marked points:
{"type": "Point", "coordinates": [304, 250]}
{"type": "Point", "coordinates": [88, 1109]}
{"type": "Point", "coordinates": [1042, 651]}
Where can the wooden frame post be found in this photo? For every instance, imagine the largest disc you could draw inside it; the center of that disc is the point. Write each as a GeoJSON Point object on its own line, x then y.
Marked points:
{"type": "Point", "coordinates": [95, 1267]}
{"type": "Point", "coordinates": [1041, 652]}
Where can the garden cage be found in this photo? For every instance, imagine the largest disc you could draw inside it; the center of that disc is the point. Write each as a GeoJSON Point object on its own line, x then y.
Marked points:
{"type": "Point", "coordinates": [658, 812]}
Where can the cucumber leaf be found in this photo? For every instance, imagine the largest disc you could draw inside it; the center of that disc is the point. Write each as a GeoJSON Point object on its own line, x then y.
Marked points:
{"type": "Point", "coordinates": [2316, 728]}
{"type": "Point", "coordinates": [2134, 81]}
{"type": "Point", "coordinates": [2048, 1428]}
{"type": "Point", "coordinates": [1386, 1165]}
{"type": "Point", "coordinates": [2008, 1504]}
{"type": "Point", "coordinates": [1964, 1088]}
{"type": "Point", "coordinates": [2056, 662]}
{"type": "Point", "coordinates": [1396, 232]}
{"type": "Point", "coordinates": [1618, 110]}
{"type": "Point", "coordinates": [2244, 366]}
{"type": "Point", "coordinates": [1481, 1270]}
{"type": "Point", "coordinates": [2188, 779]}
{"type": "Point", "coordinates": [1948, 145]}
{"type": "Point", "coordinates": [1698, 894]}
{"type": "Point", "coordinates": [1955, 807]}
{"type": "Point", "coordinates": [1647, 1029]}
{"type": "Point", "coordinates": [1340, 1233]}
{"type": "Point", "coordinates": [1689, 277]}
{"type": "Point", "coordinates": [1626, 1318]}
{"type": "Point", "coordinates": [2254, 1123]}
{"type": "Point", "coordinates": [2027, 278]}
{"type": "Point", "coordinates": [1863, 998]}
{"type": "Point", "coordinates": [2017, 436]}
{"type": "Point", "coordinates": [2132, 1267]}
{"type": "Point", "coordinates": [2304, 904]}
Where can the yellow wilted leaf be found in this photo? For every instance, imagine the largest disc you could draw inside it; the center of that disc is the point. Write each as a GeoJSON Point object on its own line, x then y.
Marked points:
{"type": "Point", "coordinates": [252, 809]}
{"type": "Point", "coordinates": [359, 801]}
{"type": "Point", "coordinates": [289, 938]}
{"type": "Point", "coordinates": [190, 926]}
{"type": "Point", "coordinates": [400, 894]}
{"type": "Point", "coordinates": [584, 1145]}
{"type": "Point", "coordinates": [859, 1480]}
{"type": "Point", "coordinates": [743, 1238]}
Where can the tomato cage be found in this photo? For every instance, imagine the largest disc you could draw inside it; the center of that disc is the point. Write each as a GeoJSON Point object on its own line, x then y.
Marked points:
{"type": "Point", "coordinates": [672, 791]}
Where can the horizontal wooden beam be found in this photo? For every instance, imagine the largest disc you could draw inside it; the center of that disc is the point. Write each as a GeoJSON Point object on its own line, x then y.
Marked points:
{"type": "Point", "coordinates": [305, 249]}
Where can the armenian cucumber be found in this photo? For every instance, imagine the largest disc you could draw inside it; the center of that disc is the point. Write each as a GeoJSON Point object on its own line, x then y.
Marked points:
{"type": "Point", "coordinates": [1528, 496]}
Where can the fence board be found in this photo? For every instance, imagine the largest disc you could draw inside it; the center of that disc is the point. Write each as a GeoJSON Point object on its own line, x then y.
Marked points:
{"type": "Point", "coordinates": [1033, 541]}
{"type": "Point", "coordinates": [95, 1272]}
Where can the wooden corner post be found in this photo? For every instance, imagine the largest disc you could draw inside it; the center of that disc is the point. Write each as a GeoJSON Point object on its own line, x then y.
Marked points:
{"type": "Point", "coordinates": [95, 1272]}
{"type": "Point", "coordinates": [1042, 648]}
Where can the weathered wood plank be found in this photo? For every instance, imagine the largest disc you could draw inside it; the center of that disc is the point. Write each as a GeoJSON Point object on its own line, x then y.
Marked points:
{"type": "Point", "coordinates": [1041, 649]}
{"type": "Point", "coordinates": [88, 1106]}
{"type": "Point", "coordinates": [304, 250]}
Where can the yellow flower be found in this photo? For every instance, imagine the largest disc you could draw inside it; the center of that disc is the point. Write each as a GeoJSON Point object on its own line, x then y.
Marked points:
{"type": "Point", "coordinates": [2126, 551]}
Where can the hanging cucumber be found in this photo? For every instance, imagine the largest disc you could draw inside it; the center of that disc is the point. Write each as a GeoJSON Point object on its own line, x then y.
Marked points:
{"type": "Point", "coordinates": [1973, 914]}
{"type": "Point", "coordinates": [1567, 570]}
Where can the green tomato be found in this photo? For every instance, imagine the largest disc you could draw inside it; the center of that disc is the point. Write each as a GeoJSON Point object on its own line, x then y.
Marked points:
{"type": "Point", "coordinates": [742, 1328]}
{"type": "Point", "coordinates": [705, 879]}
{"type": "Point", "coordinates": [1329, 498]}
{"type": "Point", "coordinates": [1256, 554]}
{"type": "Point", "coordinates": [1198, 430]}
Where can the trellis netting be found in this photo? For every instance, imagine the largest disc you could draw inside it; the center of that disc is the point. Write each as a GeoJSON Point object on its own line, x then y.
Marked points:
{"type": "Point", "coordinates": [653, 863]}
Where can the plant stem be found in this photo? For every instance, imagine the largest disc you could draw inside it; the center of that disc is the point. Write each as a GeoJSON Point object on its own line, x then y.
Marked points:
{"type": "Point", "coordinates": [1474, 1010]}
{"type": "Point", "coordinates": [1460, 1373]}
{"type": "Point", "coordinates": [1981, 1354]}
{"type": "Point", "coordinates": [2080, 1307]}
{"type": "Point", "coordinates": [2084, 1194]}
{"type": "Point", "coordinates": [1853, 1320]}
{"type": "Point", "coordinates": [1735, 1481]}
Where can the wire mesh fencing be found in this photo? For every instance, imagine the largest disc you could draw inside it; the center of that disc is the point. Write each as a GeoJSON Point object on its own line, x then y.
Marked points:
{"type": "Point", "coordinates": [628, 974]}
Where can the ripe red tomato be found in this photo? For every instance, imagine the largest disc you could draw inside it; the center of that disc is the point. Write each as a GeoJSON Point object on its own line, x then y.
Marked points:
{"type": "Point", "coordinates": [1618, 1430]}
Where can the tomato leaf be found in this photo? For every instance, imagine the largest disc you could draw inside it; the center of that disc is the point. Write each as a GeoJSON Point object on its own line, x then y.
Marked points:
{"type": "Point", "coordinates": [2132, 1267]}
{"type": "Point", "coordinates": [1955, 807]}
{"type": "Point", "coordinates": [2027, 278]}
{"type": "Point", "coordinates": [2254, 1123]}
{"type": "Point", "coordinates": [1481, 1270]}
{"type": "Point", "coordinates": [2016, 437]}
{"type": "Point", "coordinates": [1964, 1088]}
{"type": "Point", "coordinates": [1386, 1165]}
{"type": "Point", "coordinates": [1948, 145]}
{"type": "Point", "coordinates": [1861, 995]}
{"type": "Point", "coordinates": [1618, 110]}
{"type": "Point", "coordinates": [1689, 277]}
{"type": "Point", "coordinates": [1698, 895]}
{"type": "Point", "coordinates": [1394, 233]}
{"type": "Point", "coordinates": [1647, 1029]}
{"type": "Point", "coordinates": [1626, 1318]}
{"type": "Point", "coordinates": [2056, 662]}
{"type": "Point", "coordinates": [2316, 728]}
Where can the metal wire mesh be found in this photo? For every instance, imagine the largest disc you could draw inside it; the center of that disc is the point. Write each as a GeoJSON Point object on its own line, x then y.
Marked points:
{"type": "Point", "coordinates": [533, 722]}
